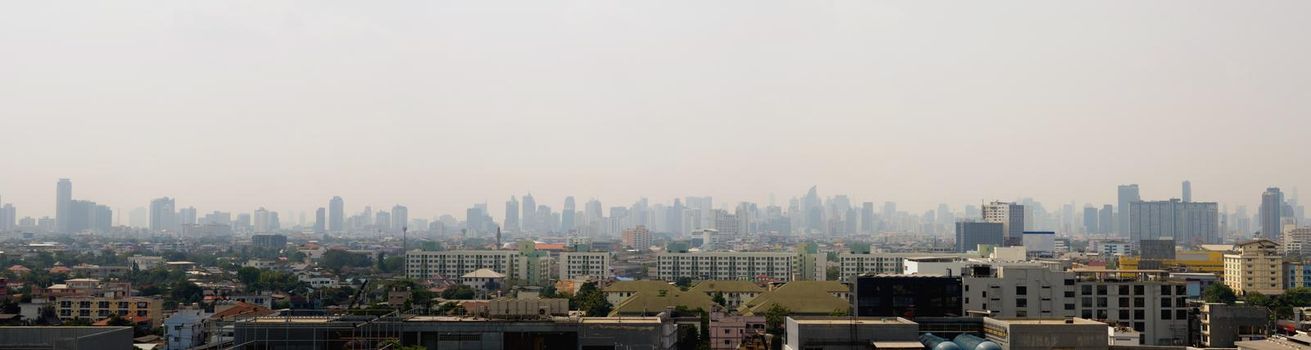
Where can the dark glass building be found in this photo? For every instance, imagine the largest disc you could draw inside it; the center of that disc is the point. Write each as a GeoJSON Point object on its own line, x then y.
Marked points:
{"type": "Point", "coordinates": [907, 296]}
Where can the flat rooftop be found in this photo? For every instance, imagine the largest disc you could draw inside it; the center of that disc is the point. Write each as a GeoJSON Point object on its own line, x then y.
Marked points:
{"type": "Point", "coordinates": [1077, 321]}
{"type": "Point", "coordinates": [850, 321]}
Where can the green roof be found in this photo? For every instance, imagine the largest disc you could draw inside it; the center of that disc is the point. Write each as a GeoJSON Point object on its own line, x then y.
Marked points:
{"type": "Point", "coordinates": [801, 298]}
{"type": "Point", "coordinates": [649, 303]}
{"type": "Point", "coordinates": [639, 286]}
{"type": "Point", "coordinates": [728, 286]}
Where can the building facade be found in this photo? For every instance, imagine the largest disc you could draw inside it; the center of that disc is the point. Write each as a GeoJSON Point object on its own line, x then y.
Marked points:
{"type": "Point", "coordinates": [728, 266]}
{"type": "Point", "coordinates": [1255, 266]}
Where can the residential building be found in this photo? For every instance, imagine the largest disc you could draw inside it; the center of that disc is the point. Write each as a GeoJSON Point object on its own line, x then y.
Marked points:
{"type": "Point", "coordinates": [638, 238]}
{"type": "Point", "coordinates": [852, 264]}
{"type": "Point", "coordinates": [1011, 216]}
{"type": "Point", "coordinates": [728, 331]}
{"type": "Point", "coordinates": [1222, 325]}
{"type": "Point", "coordinates": [90, 307]}
{"type": "Point", "coordinates": [1190, 223]}
{"type": "Point", "coordinates": [1255, 266]}
{"type": "Point", "coordinates": [1046, 334]}
{"type": "Point", "coordinates": [1018, 291]}
{"type": "Point", "coordinates": [185, 329]}
{"type": "Point", "coordinates": [1126, 194]}
{"type": "Point", "coordinates": [455, 263]}
{"type": "Point", "coordinates": [483, 279]}
{"type": "Point", "coordinates": [1297, 240]}
{"type": "Point", "coordinates": [1272, 206]}
{"type": "Point", "coordinates": [573, 265]}
{"type": "Point", "coordinates": [1147, 301]}
{"type": "Point", "coordinates": [769, 266]}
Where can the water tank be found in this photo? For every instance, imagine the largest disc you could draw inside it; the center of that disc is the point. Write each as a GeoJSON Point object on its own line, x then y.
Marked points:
{"type": "Point", "coordinates": [972, 342]}
{"type": "Point", "coordinates": [933, 342]}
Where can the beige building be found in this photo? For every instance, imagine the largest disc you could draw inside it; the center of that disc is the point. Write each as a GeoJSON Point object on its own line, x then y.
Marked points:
{"type": "Point", "coordinates": [584, 265]}
{"type": "Point", "coordinates": [96, 308]}
{"type": "Point", "coordinates": [1255, 266]}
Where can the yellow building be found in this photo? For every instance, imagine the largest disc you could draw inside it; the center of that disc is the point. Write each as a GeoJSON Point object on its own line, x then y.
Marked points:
{"type": "Point", "coordinates": [1255, 266]}
{"type": "Point", "coordinates": [1185, 261]}
{"type": "Point", "coordinates": [94, 308]}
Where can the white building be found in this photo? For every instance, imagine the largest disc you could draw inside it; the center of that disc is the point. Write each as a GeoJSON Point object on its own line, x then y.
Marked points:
{"type": "Point", "coordinates": [1018, 291]}
{"type": "Point", "coordinates": [582, 265]}
{"type": "Point", "coordinates": [144, 263]}
{"type": "Point", "coordinates": [1010, 216]}
{"type": "Point", "coordinates": [1040, 242]}
{"type": "Point", "coordinates": [728, 266]}
{"type": "Point", "coordinates": [855, 264]}
{"type": "Point", "coordinates": [943, 266]}
{"type": "Point", "coordinates": [483, 279]}
{"type": "Point", "coordinates": [185, 329]}
{"type": "Point", "coordinates": [1297, 240]}
{"type": "Point", "coordinates": [709, 239]}
{"type": "Point", "coordinates": [456, 263]}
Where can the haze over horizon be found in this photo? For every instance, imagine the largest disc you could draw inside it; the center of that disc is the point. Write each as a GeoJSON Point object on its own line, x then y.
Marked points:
{"type": "Point", "coordinates": [237, 105]}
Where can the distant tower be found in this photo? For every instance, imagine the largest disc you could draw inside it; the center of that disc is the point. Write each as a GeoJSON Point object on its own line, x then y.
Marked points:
{"type": "Point", "coordinates": [567, 215]}
{"type": "Point", "coordinates": [1272, 204]}
{"type": "Point", "coordinates": [63, 202]}
{"type": "Point", "coordinates": [1127, 194]}
{"type": "Point", "coordinates": [498, 238]}
{"type": "Point", "coordinates": [336, 214]}
{"type": "Point", "coordinates": [320, 220]}
{"type": "Point", "coordinates": [1188, 191]}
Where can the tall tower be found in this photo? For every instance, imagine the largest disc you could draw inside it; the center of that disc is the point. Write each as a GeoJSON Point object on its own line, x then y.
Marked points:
{"type": "Point", "coordinates": [336, 214]}
{"type": "Point", "coordinates": [1127, 194]}
{"type": "Point", "coordinates": [320, 220]}
{"type": "Point", "coordinates": [512, 215]}
{"type": "Point", "coordinates": [163, 214]}
{"type": "Point", "coordinates": [63, 202]}
{"type": "Point", "coordinates": [1272, 204]}
{"type": "Point", "coordinates": [1011, 216]}
{"type": "Point", "coordinates": [1188, 191]}
{"type": "Point", "coordinates": [567, 215]}
{"type": "Point", "coordinates": [528, 216]}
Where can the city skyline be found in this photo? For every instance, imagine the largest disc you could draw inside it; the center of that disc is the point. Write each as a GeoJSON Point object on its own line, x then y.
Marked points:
{"type": "Point", "coordinates": [247, 105]}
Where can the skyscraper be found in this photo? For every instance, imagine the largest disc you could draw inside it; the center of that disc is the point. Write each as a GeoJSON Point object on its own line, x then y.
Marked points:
{"type": "Point", "coordinates": [528, 216]}
{"type": "Point", "coordinates": [63, 203]}
{"type": "Point", "coordinates": [1272, 206]}
{"type": "Point", "coordinates": [567, 216]}
{"type": "Point", "coordinates": [867, 217]}
{"type": "Point", "coordinates": [336, 215]}
{"type": "Point", "coordinates": [511, 215]}
{"type": "Point", "coordinates": [400, 218]}
{"type": "Point", "coordinates": [1090, 219]}
{"type": "Point", "coordinates": [1127, 194]}
{"type": "Point", "coordinates": [1189, 223]}
{"type": "Point", "coordinates": [163, 216]}
{"type": "Point", "coordinates": [1011, 216]}
{"type": "Point", "coordinates": [1188, 191]}
{"type": "Point", "coordinates": [320, 220]}
{"type": "Point", "coordinates": [1105, 219]}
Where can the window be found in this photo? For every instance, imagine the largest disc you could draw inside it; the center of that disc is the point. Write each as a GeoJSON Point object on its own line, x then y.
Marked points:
{"type": "Point", "coordinates": [1138, 290]}
{"type": "Point", "coordinates": [1021, 290]}
{"type": "Point", "coordinates": [1069, 282]}
{"type": "Point", "coordinates": [1069, 294]}
{"type": "Point", "coordinates": [1165, 289]}
{"type": "Point", "coordinates": [1021, 302]}
{"type": "Point", "coordinates": [1124, 314]}
{"type": "Point", "coordinates": [1085, 289]}
{"type": "Point", "coordinates": [1165, 302]}
{"type": "Point", "coordinates": [1139, 314]}
{"type": "Point", "coordinates": [1181, 314]}
{"type": "Point", "coordinates": [1165, 314]}
{"type": "Point", "coordinates": [1069, 306]}
{"type": "Point", "coordinates": [1139, 302]}
{"type": "Point", "coordinates": [1124, 289]}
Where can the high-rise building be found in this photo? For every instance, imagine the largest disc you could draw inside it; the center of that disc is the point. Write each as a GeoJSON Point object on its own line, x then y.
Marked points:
{"type": "Point", "coordinates": [1090, 219]}
{"type": "Point", "coordinates": [1272, 204]}
{"type": "Point", "coordinates": [511, 216]}
{"type": "Point", "coordinates": [163, 216]}
{"type": "Point", "coordinates": [528, 216]}
{"type": "Point", "coordinates": [1189, 223]}
{"type": "Point", "coordinates": [637, 238]}
{"type": "Point", "coordinates": [1011, 216]}
{"type": "Point", "coordinates": [1106, 219]}
{"type": "Point", "coordinates": [63, 200]}
{"type": "Point", "coordinates": [321, 220]}
{"type": "Point", "coordinates": [1127, 194]}
{"type": "Point", "coordinates": [336, 215]}
{"type": "Point", "coordinates": [1188, 191]}
{"type": "Point", "coordinates": [567, 216]}
{"type": "Point", "coordinates": [400, 218]}
{"type": "Point", "coordinates": [187, 216]}
{"type": "Point", "coordinates": [262, 224]}
{"type": "Point", "coordinates": [969, 235]}
{"type": "Point", "coordinates": [867, 224]}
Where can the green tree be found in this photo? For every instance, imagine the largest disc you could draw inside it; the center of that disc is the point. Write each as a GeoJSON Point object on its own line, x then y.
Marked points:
{"type": "Point", "coordinates": [186, 292]}
{"type": "Point", "coordinates": [1297, 297]}
{"type": "Point", "coordinates": [393, 264]}
{"type": "Point", "coordinates": [337, 259]}
{"type": "Point", "coordinates": [459, 292]}
{"type": "Point", "coordinates": [1258, 299]}
{"type": "Point", "coordinates": [248, 275]}
{"type": "Point", "coordinates": [775, 316]}
{"type": "Point", "coordinates": [1219, 293]}
{"type": "Point", "coordinates": [591, 300]}
{"type": "Point", "coordinates": [719, 299]}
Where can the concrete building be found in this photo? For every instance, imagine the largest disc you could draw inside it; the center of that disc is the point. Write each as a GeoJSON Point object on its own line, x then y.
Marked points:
{"type": "Point", "coordinates": [855, 264]}
{"type": "Point", "coordinates": [185, 329]}
{"type": "Point", "coordinates": [93, 308]}
{"type": "Point", "coordinates": [848, 333]}
{"type": "Point", "coordinates": [638, 238]}
{"type": "Point", "coordinates": [1222, 325]}
{"type": "Point", "coordinates": [1041, 243]}
{"type": "Point", "coordinates": [455, 263]}
{"type": "Point", "coordinates": [1146, 301]}
{"type": "Point", "coordinates": [1011, 216]}
{"type": "Point", "coordinates": [445, 332]}
{"type": "Point", "coordinates": [728, 266]}
{"type": "Point", "coordinates": [1272, 204]}
{"type": "Point", "coordinates": [907, 296]}
{"type": "Point", "coordinates": [1297, 240]}
{"type": "Point", "coordinates": [1018, 291]}
{"type": "Point", "coordinates": [1255, 266]}
{"type": "Point", "coordinates": [1125, 194]}
{"type": "Point", "coordinates": [1190, 223]}
{"type": "Point", "coordinates": [936, 266]}
{"type": "Point", "coordinates": [584, 265]}
{"type": "Point", "coordinates": [969, 235]}
{"type": "Point", "coordinates": [728, 331]}
{"type": "Point", "coordinates": [66, 338]}
{"type": "Point", "coordinates": [483, 279]}
{"type": "Point", "coordinates": [1046, 334]}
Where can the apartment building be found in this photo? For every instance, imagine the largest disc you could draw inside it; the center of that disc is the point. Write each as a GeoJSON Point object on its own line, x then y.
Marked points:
{"type": "Point", "coordinates": [855, 264]}
{"type": "Point", "coordinates": [728, 266]}
{"type": "Point", "coordinates": [1147, 301]}
{"type": "Point", "coordinates": [1255, 266]}
{"type": "Point", "coordinates": [1018, 291]}
{"type": "Point", "coordinates": [583, 265]}
{"type": "Point", "coordinates": [100, 307]}
{"type": "Point", "coordinates": [455, 263]}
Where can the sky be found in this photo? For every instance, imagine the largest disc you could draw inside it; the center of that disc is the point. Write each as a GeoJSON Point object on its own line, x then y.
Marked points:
{"type": "Point", "coordinates": [234, 105]}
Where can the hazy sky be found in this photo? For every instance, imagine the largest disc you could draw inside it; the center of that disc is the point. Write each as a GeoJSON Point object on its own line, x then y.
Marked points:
{"type": "Point", "coordinates": [231, 105]}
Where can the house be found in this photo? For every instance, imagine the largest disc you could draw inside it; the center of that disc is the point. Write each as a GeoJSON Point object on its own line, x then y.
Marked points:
{"type": "Point", "coordinates": [483, 279]}
{"type": "Point", "coordinates": [185, 329]}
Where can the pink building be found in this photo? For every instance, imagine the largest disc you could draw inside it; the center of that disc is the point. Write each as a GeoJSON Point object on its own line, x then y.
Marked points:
{"type": "Point", "coordinates": [727, 331]}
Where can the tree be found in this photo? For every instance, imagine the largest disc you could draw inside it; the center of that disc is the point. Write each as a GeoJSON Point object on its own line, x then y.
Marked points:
{"type": "Point", "coordinates": [186, 292]}
{"type": "Point", "coordinates": [719, 299]}
{"type": "Point", "coordinates": [591, 300]}
{"type": "Point", "coordinates": [1219, 293]}
{"type": "Point", "coordinates": [1258, 299]}
{"type": "Point", "coordinates": [248, 275]}
{"type": "Point", "coordinates": [393, 264]}
{"type": "Point", "coordinates": [775, 316]}
{"type": "Point", "coordinates": [336, 259]}
{"type": "Point", "coordinates": [1297, 297]}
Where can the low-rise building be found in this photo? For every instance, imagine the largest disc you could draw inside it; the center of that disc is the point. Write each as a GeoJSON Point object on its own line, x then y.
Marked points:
{"type": "Point", "coordinates": [91, 308]}
{"type": "Point", "coordinates": [584, 265]}
{"type": "Point", "coordinates": [770, 266]}
{"type": "Point", "coordinates": [824, 333]}
{"type": "Point", "coordinates": [185, 329]}
{"type": "Point", "coordinates": [1046, 334]}
{"type": "Point", "coordinates": [1222, 325]}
